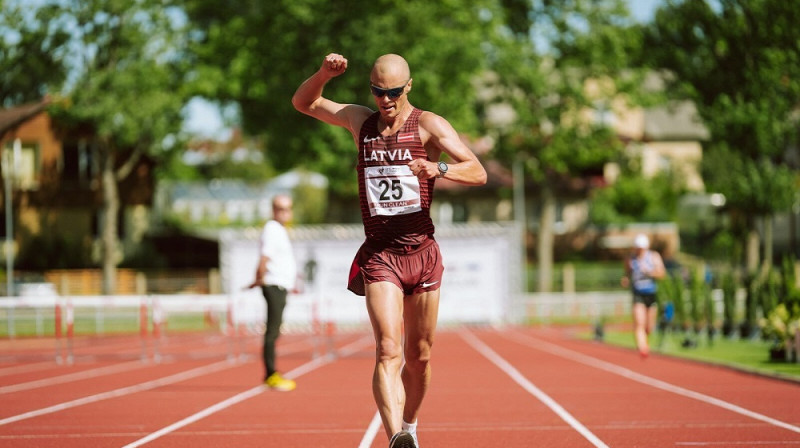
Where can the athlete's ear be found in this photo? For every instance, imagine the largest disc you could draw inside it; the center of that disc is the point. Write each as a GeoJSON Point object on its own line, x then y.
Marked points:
{"type": "Point", "coordinates": [410, 82]}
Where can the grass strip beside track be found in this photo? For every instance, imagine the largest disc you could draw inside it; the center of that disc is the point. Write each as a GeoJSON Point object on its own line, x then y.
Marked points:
{"type": "Point", "coordinates": [741, 354]}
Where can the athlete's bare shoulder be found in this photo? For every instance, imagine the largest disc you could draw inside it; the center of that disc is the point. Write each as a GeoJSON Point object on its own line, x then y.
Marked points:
{"type": "Point", "coordinates": [357, 115]}
{"type": "Point", "coordinates": [428, 118]}
{"type": "Point", "coordinates": [436, 129]}
{"type": "Point", "coordinates": [433, 125]}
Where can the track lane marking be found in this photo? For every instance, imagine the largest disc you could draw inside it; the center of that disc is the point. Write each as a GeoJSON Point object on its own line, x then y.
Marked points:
{"type": "Point", "coordinates": [299, 371]}
{"type": "Point", "coordinates": [638, 377]}
{"type": "Point", "coordinates": [76, 376]}
{"type": "Point", "coordinates": [198, 371]}
{"type": "Point", "coordinates": [182, 376]}
{"type": "Point", "coordinates": [23, 368]}
{"type": "Point", "coordinates": [520, 379]}
{"type": "Point", "coordinates": [372, 431]}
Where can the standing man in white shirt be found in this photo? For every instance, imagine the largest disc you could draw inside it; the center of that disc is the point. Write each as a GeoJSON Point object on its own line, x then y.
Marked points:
{"type": "Point", "coordinates": [276, 275]}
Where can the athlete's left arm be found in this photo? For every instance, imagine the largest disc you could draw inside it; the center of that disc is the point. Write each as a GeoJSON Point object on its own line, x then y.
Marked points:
{"type": "Point", "coordinates": [438, 136]}
{"type": "Point", "coordinates": [659, 271]}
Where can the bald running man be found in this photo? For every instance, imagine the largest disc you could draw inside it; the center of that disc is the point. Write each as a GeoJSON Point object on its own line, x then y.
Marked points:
{"type": "Point", "coordinates": [399, 267]}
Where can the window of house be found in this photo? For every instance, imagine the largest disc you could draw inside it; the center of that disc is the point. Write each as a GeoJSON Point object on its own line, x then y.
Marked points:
{"type": "Point", "coordinates": [23, 163]}
{"type": "Point", "coordinates": [76, 162]}
{"type": "Point", "coordinates": [604, 115]}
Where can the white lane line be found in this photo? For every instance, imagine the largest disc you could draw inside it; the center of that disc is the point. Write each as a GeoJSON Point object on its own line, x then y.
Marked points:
{"type": "Point", "coordinates": [124, 391]}
{"type": "Point", "coordinates": [27, 368]}
{"type": "Point", "coordinates": [182, 376]}
{"type": "Point", "coordinates": [520, 379]}
{"type": "Point", "coordinates": [372, 431]}
{"type": "Point", "coordinates": [77, 376]}
{"type": "Point", "coordinates": [663, 385]}
{"type": "Point", "coordinates": [301, 370]}
{"type": "Point", "coordinates": [200, 415]}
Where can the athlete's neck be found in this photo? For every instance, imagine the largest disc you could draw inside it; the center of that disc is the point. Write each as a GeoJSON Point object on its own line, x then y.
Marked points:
{"type": "Point", "coordinates": [394, 123]}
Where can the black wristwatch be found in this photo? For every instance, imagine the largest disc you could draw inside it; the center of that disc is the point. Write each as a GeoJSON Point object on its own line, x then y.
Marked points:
{"type": "Point", "coordinates": [442, 168]}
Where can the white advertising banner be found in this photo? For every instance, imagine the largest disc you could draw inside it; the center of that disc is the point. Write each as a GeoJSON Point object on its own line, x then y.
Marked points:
{"type": "Point", "coordinates": [482, 272]}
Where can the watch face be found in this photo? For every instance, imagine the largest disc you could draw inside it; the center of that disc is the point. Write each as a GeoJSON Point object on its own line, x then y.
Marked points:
{"type": "Point", "coordinates": [442, 167]}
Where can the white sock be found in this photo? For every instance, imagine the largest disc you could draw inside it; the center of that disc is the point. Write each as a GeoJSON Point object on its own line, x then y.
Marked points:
{"type": "Point", "coordinates": [412, 429]}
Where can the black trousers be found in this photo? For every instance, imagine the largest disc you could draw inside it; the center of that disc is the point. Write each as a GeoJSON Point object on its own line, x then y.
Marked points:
{"type": "Point", "coordinates": [276, 302]}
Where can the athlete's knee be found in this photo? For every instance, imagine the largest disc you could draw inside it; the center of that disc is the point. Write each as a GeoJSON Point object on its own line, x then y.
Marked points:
{"type": "Point", "coordinates": [418, 355]}
{"type": "Point", "coordinates": [389, 350]}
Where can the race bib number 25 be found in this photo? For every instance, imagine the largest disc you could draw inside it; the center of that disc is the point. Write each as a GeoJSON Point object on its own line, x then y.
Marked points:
{"type": "Point", "coordinates": [391, 190]}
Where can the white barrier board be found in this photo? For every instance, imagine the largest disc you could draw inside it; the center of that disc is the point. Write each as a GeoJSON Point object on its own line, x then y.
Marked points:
{"type": "Point", "coordinates": [482, 272]}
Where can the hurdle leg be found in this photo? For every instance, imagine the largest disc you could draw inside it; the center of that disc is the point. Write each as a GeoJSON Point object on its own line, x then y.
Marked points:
{"type": "Point", "coordinates": [158, 318]}
{"type": "Point", "coordinates": [70, 318]}
{"type": "Point", "coordinates": [330, 333]}
{"type": "Point", "coordinates": [316, 331]}
{"type": "Point", "coordinates": [58, 330]}
{"type": "Point", "coordinates": [143, 327]}
{"type": "Point", "coordinates": [230, 330]}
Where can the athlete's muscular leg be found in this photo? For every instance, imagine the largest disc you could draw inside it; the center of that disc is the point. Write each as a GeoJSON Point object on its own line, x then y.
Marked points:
{"type": "Point", "coordinates": [420, 315]}
{"type": "Point", "coordinates": [385, 307]}
{"type": "Point", "coordinates": [640, 327]}
{"type": "Point", "coordinates": [652, 318]}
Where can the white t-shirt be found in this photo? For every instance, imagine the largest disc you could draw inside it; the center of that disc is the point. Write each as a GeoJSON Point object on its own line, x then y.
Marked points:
{"type": "Point", "coordinates": [281, 266]}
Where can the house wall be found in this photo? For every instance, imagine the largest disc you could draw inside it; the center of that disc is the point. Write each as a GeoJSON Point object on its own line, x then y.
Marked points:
{"type": "Point", "coordinates": [683, 156]}
{"type": "Point", "coordinates": [629, 123]}
{"type": "Point", "coordinates": [37, 131]}
{"type": "Point", "coordinates": [53, 208]}
{"type": "Point", "coordinates": [32, 218]}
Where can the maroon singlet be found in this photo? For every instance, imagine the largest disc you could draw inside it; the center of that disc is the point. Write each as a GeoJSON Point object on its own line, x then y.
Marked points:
{"type": "Point", "coordinates": [395, 205]}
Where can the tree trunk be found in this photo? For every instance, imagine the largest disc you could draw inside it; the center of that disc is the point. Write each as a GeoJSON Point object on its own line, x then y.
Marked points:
{"type": "Point", "coordinates": [544, 243]}
{"type": "Point", "coordinates": [109, 224]}
{"type": "Point", "coordinates": [768, 232]}
{"type": "Point", "coordinates": [752, 249]}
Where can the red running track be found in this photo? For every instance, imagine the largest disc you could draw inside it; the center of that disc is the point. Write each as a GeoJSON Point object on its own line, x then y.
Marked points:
{"type": "Point", "coordinates": [512, 388]}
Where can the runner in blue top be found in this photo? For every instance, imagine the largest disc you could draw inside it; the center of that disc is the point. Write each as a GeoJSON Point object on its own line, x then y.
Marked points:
{"type": "Point", "coordinates": [642, 270]}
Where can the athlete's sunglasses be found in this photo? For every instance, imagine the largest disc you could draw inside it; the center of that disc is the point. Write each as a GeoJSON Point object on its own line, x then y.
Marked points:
{"type": "Point", "coordinates": [392, 93]}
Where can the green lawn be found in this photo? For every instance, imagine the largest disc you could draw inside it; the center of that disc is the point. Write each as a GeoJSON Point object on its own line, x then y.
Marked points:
{"type": "Point", "coordinates": [749, 355]}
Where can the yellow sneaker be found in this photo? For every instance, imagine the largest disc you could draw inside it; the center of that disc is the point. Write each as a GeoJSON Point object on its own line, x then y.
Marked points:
{"type": "Point", "coordinates": [277, 382]}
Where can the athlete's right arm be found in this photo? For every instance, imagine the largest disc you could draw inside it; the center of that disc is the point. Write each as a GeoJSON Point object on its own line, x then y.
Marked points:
{"type": "Point", "coordinates": [308, 98]}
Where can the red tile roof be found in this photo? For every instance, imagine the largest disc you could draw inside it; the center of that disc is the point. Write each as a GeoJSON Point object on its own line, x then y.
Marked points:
{"type": "Point", "coordinates": [15, 116]}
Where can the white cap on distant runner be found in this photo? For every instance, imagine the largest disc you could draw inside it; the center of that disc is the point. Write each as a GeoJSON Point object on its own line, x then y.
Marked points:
{"type": "Point", "coordinates": [641, 241]}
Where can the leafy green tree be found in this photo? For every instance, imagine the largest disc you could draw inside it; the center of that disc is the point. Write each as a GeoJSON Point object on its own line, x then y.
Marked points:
{"type": "Point", "coordinates": [739, 62]}
{"type": "Point", "coordinates": [636, 198]}
{"type": "Point", "coordinates": [562, 95]}
{"type": "Point", "coordinates": [31, 59]}
{"type": "Point", "coordinates": [125, 93]}
{"type": "Point", "coordinates": [256, 53]}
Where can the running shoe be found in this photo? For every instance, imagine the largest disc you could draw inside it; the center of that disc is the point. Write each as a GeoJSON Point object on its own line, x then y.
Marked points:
{"type": "Point", "coordinates": [277, 382]}
{"type": "Point", "coordinates": [402, 439]}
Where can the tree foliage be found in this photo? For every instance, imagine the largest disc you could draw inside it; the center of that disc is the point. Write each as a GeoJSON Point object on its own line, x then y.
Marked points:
{"type": "Point", "coordinates": [127, 72]}
{"type": "Point", "coordinates": [562, 94]}
{"type": "Point", "coordinates": [124, 95]}
{"type": "Point", "coordinates": [562, 76]}
{"type": "Point", "coordinates": [739, 61]}
{"type": "Point", "coordinates": [635, 198]}
{"type": "Point", "coordinates": [31, 54]}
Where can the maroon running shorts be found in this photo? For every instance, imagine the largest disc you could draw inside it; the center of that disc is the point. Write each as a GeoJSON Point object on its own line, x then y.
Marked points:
{"type": "Point", "coordinates": [413, 269]}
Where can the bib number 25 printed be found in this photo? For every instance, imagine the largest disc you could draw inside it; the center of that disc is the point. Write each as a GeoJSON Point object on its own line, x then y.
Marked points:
{"type": "Point", "coordinates": [391, 190]}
